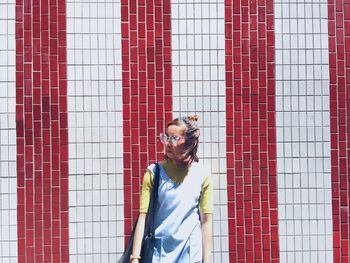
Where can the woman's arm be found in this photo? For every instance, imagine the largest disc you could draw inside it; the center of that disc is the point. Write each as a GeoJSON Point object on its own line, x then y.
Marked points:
{"type": "Point", "coordinates": [207, 236]}
{"type": "Point", "coordinates": [136, 247]}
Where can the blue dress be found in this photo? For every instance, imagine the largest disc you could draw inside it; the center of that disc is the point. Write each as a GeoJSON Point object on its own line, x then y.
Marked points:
{"type": "Point", "coordinates": [178, 229]}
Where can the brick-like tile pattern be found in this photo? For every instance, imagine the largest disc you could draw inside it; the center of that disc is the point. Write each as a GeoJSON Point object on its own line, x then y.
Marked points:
{"type": "Point", "coordinates": [42, 136]}
{"type": "Point", "coordinates": [147, 89]}
{"type": "Point", "coordinates": [339, 75]}
{"type": "Point", "coordinates": [8, 174]}
{"type": "Point", "coordinates": [251, 132]}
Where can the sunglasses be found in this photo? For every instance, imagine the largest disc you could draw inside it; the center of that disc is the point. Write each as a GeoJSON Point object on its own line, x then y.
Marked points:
{"type": "Point", "coordinates": [173, 139]}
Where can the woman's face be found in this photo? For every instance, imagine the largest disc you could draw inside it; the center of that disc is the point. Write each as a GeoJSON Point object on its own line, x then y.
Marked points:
{"type": "Point", "coordinates": [171, 150]}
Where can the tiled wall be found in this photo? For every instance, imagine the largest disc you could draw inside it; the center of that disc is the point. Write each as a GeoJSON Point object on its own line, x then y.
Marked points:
{"type": "Point", "coordinates": [8, 182]}
{"type": "Point", "coordinates": [41, 129]}
{"type": "Point", "coordinates": [198, 53]}
{"type": "Point", "coordinates": [339, 69]}
{"type": "Point", "coordinates": [303, 132]}
{"type": "Point", "coordinates": [251, 131]}
{"type": "Point", "coordinates": [96, 210]}
{"type": "Point", "coordinates": [147, 89]}
{"type": "Point", "coordinates": [132, 66]}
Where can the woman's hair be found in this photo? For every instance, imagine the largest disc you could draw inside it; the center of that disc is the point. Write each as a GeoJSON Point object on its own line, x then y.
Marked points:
{"type": "Point", "coordinates": [188, 152]}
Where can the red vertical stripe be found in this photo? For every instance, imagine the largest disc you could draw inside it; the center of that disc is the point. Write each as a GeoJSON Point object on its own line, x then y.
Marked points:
{"type": "Point", "coordinates": [251, 131]}
{"type": "Point", "coordinates": [339, 67]}
{"type": "Point", "coordinates": [42, 135]}
{"type": "Point", "coordinates": [147, 91]}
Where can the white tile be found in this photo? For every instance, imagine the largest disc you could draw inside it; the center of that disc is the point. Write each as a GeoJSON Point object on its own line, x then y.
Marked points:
{"type": "Point", "coordinates": [306, 256]}
{"type": "Point", "coordinates": [289, 213]}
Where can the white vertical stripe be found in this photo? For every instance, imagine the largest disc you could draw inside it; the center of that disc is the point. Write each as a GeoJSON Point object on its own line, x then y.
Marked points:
{"type": "Point", "coordinates": [96, 211]}
{"type": "Point", "coordinates": [198, 54]}
{"type": "Point", "coordinates": [303, 133]}
{"type": "Point", "coordinates": [8, 171]}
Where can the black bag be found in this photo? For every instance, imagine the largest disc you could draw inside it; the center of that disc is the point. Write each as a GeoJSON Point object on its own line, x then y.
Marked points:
{"type": "Point", "coordinates": [148, 239]}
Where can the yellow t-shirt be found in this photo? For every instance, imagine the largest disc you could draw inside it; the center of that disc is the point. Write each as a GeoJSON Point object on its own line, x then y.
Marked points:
{"type": "Point", "coordinates": [177, 175]}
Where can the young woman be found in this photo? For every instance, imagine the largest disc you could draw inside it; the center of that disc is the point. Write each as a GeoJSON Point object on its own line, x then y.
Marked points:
{"type": "Point", "coordinates": [184, 214]}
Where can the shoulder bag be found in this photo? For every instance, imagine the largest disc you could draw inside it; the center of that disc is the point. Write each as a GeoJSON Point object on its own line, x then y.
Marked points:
{"type": "Point", "coordinates": [148, 239]}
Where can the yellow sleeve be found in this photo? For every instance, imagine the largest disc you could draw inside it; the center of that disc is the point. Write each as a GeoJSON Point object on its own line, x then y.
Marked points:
{"type": "Point", "coordinates": [206, 197]}
{"type": "Point", "coordinates": [146, 191]}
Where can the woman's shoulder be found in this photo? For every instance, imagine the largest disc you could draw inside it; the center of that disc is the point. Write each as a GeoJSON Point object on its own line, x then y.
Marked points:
{"type": "Point", "coordinates": [149, 174]}
{"type": "Point", "coordinates": [152, 168]}
{"type": "Point", "coordinates": [200, 166]}
{"type": "Point", "coordinates": [201, 169]}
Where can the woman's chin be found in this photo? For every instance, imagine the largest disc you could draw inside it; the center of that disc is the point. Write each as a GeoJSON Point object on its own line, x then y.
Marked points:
{"type": "Point", "coordinates": [170, 155]}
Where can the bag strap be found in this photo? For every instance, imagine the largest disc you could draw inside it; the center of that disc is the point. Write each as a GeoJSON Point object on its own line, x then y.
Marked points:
{"type": "Point", "coordinates": [155, 186]}
{"type": "Point", "coordinates": [152, 208]}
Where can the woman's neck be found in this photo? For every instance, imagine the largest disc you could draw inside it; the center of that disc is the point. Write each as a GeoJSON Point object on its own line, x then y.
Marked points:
{"type": "Point", "coordinates": [174, 165]}
{"type": "Point", "coordinates": [176, 173]}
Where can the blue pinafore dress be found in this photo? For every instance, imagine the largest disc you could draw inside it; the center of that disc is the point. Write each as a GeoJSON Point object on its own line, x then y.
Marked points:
{"type": "Point", "coordinates": [178, 229]}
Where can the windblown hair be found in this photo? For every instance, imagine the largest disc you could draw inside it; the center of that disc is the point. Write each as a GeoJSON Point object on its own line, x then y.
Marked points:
{"type": "Point", "coordinates": [188, 153]}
